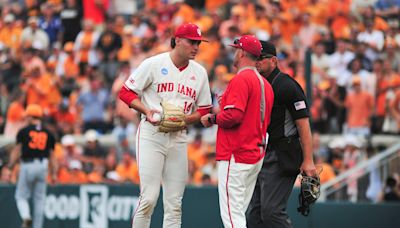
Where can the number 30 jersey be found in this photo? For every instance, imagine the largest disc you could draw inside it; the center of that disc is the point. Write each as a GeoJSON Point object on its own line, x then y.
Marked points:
{"type": "Point", "coordinates": [158, 79]}
{"type": "Point", "coordinates": [36, 141]}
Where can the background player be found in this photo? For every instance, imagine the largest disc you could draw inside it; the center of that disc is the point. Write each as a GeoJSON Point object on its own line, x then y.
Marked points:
{"type": "Point", "coordinates": [173, 77]}
{"type": "Point", "coordinates": [241, 137]}
{"type": "Point", "coordinates": [34, 146]}
{"type": "Point", "coordinates": [289, 149]}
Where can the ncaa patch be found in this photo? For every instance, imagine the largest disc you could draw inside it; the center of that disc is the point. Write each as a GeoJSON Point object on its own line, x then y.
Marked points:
{"type": "Point", "coordinates": [300, 105]}
{"type": "Point", "coordinates": [164, 71]}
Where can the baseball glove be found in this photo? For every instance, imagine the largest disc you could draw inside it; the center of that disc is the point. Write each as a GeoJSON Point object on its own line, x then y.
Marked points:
{"type": "Point", "coordinates": [173, 118]}
{"type": "Point", "coordinates": [309, 193]}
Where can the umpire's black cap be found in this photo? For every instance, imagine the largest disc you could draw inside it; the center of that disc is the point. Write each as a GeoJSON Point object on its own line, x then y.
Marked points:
{"type": "Point", "coordinates": [268, 49]}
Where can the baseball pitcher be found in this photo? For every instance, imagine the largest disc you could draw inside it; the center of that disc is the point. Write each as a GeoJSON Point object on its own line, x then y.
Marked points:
{"type": "Point", "coordinates": [171, 91]}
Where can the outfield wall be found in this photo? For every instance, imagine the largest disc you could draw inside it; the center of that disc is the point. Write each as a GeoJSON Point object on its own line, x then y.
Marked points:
{"type": "Point", "coordinates": [102, 206]}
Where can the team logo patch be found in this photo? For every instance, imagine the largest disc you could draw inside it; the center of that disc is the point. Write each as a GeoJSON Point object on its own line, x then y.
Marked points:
{"type": "Point", "coordinates": [193, 78]}
{"type": "Point", "coordinates": [164, 71]}
{"type": "Point", "coordinates": [300, 105]}
{"type": "Point", "coordinates": [132, 81]}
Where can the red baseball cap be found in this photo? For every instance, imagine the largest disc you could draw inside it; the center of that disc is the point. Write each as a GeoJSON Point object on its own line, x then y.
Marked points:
{"type": "Point", "coordinates": [248, 43]}
{"type": "Point", "coordinates": [189, 31]}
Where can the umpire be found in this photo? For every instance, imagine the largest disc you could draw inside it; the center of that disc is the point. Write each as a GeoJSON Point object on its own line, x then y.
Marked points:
{"type": "Point", "coordinates": [34, 146]}
{"type": "Point", "coordinates": [289, 149]}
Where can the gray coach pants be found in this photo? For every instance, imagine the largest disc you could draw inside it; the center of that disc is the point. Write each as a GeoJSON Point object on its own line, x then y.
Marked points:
{"type": "Point", "coordinates": [32, 184]}
{"type": "Point", "coordinates": [267, 208]}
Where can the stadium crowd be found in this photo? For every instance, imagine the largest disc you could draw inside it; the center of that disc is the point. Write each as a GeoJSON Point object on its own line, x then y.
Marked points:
{"type": "Point", "coordinates": [72, 57]}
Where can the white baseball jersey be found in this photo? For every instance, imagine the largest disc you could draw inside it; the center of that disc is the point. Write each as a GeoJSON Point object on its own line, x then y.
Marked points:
{"type": "Point", "coordinates": [158, 79]}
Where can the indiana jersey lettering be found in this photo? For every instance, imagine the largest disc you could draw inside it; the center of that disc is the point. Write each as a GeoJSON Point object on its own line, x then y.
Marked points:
{"type": "Point", "coordinates": [157, 79]}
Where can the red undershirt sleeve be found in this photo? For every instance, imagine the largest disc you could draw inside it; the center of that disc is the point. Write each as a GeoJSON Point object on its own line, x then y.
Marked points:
{"type": "Point", "coordinates": [127, 96]}
{"type": "Point", "coordinates": [203, 111]}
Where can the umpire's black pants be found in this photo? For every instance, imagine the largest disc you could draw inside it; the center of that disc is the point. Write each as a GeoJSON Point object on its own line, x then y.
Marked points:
{"type": "Point", "coordinates": [267, 208]}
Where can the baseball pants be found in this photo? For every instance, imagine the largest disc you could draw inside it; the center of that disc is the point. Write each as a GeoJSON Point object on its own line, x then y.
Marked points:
{"type": "Point", "coordinates": [32, 184]}
{"type": "Point", "coordinates": [236, 183]}
{"type": "Point", "coordinates": [162, 158]}
{"type": "Point", "coordinates": [268, 204]}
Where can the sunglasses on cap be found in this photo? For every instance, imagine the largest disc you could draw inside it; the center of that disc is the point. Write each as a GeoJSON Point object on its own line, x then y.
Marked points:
{"type": "Point", "coordinates": [265, 56]}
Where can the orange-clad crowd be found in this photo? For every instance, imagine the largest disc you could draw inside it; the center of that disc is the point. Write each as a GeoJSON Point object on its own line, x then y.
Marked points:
{"type": "Point", "coordinates": [71, 57]}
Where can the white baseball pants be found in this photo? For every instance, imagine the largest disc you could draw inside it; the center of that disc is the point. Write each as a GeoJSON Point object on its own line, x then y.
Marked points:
{"type": "Point", "coordinates": [236, 182]}
{"type": "Point", "coordinates": [32, 184]}
{"type": "Point", "coordinates": [162, 158]}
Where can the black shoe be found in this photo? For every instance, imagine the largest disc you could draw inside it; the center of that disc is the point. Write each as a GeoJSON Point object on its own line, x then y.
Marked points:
{"type": "Point", "coordinates": [27, 223]}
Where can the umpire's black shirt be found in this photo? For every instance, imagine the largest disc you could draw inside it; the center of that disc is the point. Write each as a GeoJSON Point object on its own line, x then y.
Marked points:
{"type": "Point", "coordinates": [289, 105]}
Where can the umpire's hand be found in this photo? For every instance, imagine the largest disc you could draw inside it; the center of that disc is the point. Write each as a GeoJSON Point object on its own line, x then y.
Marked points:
{"type": "Point", "coordinates": [308, 168]}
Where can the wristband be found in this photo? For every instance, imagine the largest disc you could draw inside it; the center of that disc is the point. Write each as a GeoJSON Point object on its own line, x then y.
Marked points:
{"type": "Point", "coordinates": [212, 119]}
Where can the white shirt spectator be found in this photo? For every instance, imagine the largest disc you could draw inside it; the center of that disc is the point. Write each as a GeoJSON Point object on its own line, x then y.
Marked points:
{"type": "Point", "coordinates": [124, 7]}
{"type": "Point", "coordinates": [374, 38]}
{"type": "Point", "coordinates": [37, 37]}
{"type": "Point", "coordinates": [368, 80]}
{"type": "Point", "coordinates": [322, 63]}
{"type": "Point", "coordinates": [339, 61]}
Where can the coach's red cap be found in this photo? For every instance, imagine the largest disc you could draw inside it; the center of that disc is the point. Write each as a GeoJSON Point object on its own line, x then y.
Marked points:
{"type": "Point", "coordinates": [189, 31]}
{"type": "Point", "coordinates": [249, 44]}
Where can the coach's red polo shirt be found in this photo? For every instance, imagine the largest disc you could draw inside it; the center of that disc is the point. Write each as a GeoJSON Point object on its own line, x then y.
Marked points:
{"type": "Point", "coordinates": [244, 137]}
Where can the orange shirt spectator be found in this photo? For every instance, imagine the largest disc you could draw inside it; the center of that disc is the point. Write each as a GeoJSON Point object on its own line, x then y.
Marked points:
{"type": "Point", "coordinates": [288, 26]}
{"type": "Point", "coordinates": [73, 175]}
{"type": "Point", "coordinates": [197, 151]}
{"type": "Point", "coordinates": [185, 14]}
{"type": "Point", "coordinates": [10, 33]}
{"type": "Point", "coordinates": [97, 175]}
{"type": "Point", "coordinates": [259, 23]}
{"type": "Point", "coordinates": [338, 7]}
{"type": "Point", "coordinates": [66, 120]}
{"type": "Point", "coordinates": [63, 175]}
{"type": "Point", "coordinates": [85, 44]}
{"type": "Point", "coordinates": [294, 5]}
{"type": "Point", "coordinates": [195, 174]}
{"type": "Point", "coordinates": [204, 22]}
{"type": "Point", "coordinates": [318, 13]}
{"type": "Point", "coordinates": [236, 19]}
{"type": "Point", "coordinates": [380, 24]}
{"type": "Point", "coordinates": [38, 87]}
{"type": "Point", "coordinates": [58, 151]}
{"type": "Point", "coordinates": [208, 52]}
{"type": "Point", "coordinates": [127, 169]}
{"type": "Point", "coordinates": [340, 26]}
{"type": "Point", "coordinates": [359, 105]}
{"type": "Point", "coordinates": [327, 173]}
{"type": "Point", "coordinates": [212, 5]}
{"type": "Point", "coordinates": [30, 61]}
{"type": "Point", "coordinates": [128, 42]}
{"type": "Point", "coordinates": [67, 67]}
{"type": "Point", "coordinates": [152, 4]}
